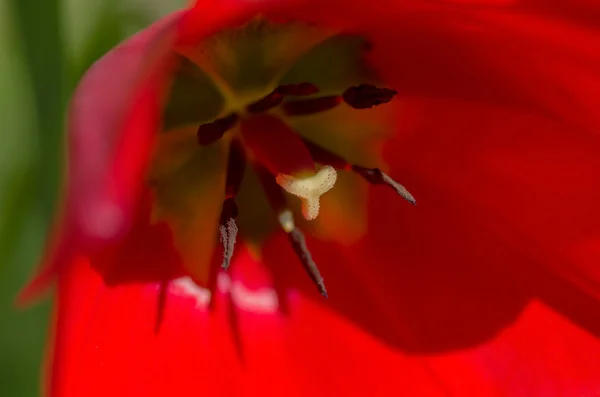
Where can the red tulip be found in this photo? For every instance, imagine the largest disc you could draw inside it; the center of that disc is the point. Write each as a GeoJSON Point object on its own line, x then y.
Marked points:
{"type": "Point", "coordinates": [486, 110]}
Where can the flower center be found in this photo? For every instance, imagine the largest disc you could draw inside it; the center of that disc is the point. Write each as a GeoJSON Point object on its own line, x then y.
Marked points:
{"type": "Point", "coordinates": [261, 95]}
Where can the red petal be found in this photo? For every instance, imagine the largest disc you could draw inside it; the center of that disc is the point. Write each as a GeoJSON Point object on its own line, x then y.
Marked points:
{"type": "Point", "coordinates": [106, 339]}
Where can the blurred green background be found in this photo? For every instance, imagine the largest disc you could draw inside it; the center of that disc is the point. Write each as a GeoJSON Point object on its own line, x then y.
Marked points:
{"type": "Point", "coordinates": [45, 47]}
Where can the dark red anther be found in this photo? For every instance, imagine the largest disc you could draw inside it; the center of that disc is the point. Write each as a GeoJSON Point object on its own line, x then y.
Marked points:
{"type": "Point", "coordinates": [236, 165]}
{"type": "Point", "coordinates": [269, 102]}
{"type": "Point", "coordinates": [301, 89]}
{"type": "Point", "coordinates": [366, 96]}
{"type": "Point", "coordinates": [211, 132]}
{"type": "Point", "coordinates": [311, 106]}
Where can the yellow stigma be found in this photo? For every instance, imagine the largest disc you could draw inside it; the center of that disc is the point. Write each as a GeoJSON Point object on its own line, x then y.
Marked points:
{"type": "Point", "coordinates": [309, 189]}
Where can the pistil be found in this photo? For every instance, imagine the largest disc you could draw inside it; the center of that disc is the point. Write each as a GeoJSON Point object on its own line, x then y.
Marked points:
{"type": "Point", "coordinates": [286, 220]}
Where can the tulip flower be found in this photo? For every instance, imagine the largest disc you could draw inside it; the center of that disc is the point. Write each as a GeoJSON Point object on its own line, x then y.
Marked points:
{"type": "Point", "coordinates": [238, 214]}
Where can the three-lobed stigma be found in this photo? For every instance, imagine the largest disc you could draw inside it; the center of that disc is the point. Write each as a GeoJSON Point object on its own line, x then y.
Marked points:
{"type": "Point", "coordinates": [309, 189]}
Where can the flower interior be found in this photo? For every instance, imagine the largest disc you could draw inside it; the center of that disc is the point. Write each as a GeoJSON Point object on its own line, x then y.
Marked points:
{"type": "Point", "coordinates": [269, 125]}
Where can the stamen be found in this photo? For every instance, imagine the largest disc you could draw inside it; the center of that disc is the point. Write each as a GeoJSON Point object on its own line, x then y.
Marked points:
{"type": "Point", "coordinates": [378, 177]}
{"type": "Point", "coordinates": [311, 106]}
{"type": "Point", "coordinates": [286, 220]}
{"type": "Point", "coordinates": [301, 89]}
{"type": "Point", "coordinates": [299, 245]}
{"type": "Point", "coordinates": [269, 102]}
{"type": "Point", "coordinates": [309, 189]}
{"type": "Point", "coordinates": [366, 96]}
{"type": "Point", "coordinates": [212, 132]}
{"type": "Point", "coordinates": [228, 230]}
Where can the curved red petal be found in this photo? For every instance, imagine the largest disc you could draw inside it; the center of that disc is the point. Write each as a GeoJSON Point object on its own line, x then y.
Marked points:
{"type": "Point", "coordinates": [113, 115]}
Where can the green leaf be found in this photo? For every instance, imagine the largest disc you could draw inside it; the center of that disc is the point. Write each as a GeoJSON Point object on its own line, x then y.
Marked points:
{"type": "Point", "coordinates": [39, 27]}
{"type": "Point", "coordinates": [32, 106]}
